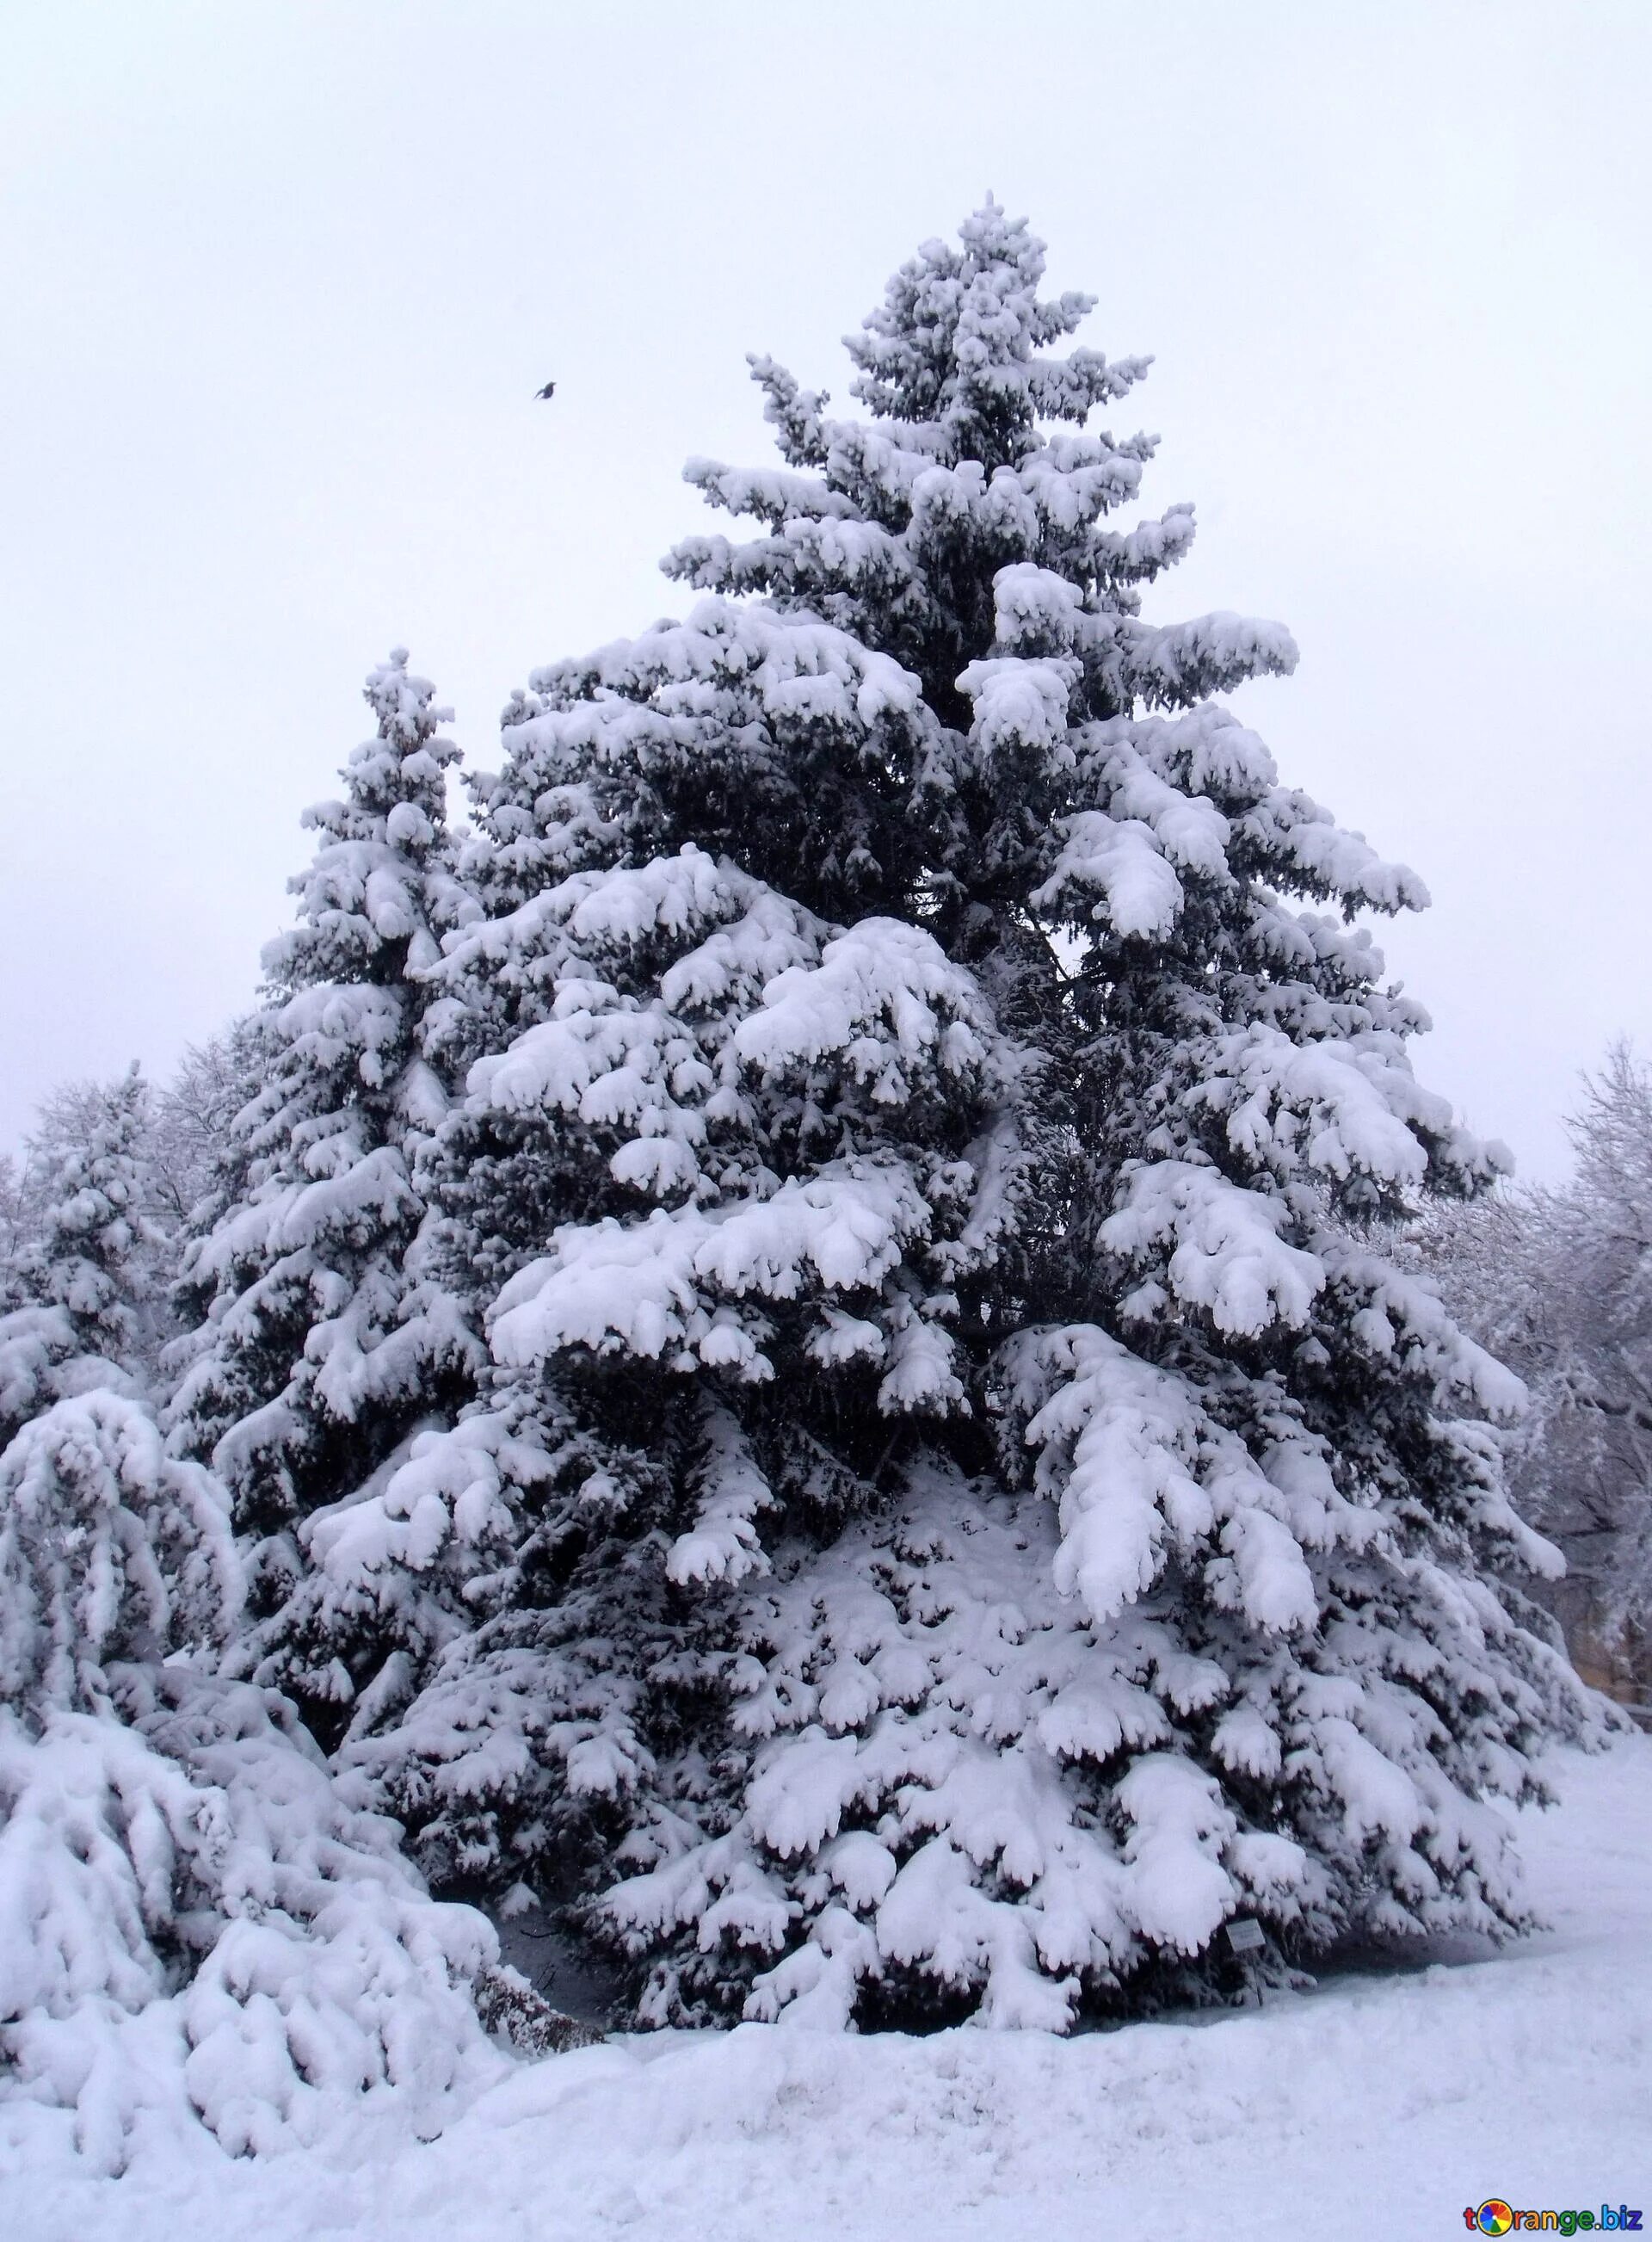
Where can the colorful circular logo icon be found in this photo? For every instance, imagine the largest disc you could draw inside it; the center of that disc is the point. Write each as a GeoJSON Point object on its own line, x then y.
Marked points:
{"type": "Point", "coordinates": [1494, 2218]}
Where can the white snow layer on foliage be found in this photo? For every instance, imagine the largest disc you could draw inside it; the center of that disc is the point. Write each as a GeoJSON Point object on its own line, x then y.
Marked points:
{"type": "Point", "coordinates": [930, 1698]}
{"type": "Point", "coordinates": [41, 1360]}
{"type": "Point", "coordinates": [765, 996]}
{"type": "Point", "coordinates": [1522, 2076]}
{"type": "Point", "coordinates": [879, 995]}
{"type": "Point", "coordinates": [81, 1291]}
{"type": "Point", "coordinates": [1138, 1468]}
{"type": "Point", "coordinates": [680, 682]}
{"type": "Point", "coordinates": [663, 1287]}
{"type": "Point", "coordinates": [936, 1707]}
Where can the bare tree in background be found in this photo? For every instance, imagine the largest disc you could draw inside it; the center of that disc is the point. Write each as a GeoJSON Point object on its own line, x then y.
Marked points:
{"type": "Point", "coordinates": [1559, 1284]}
{"type": "Point", "coordinates": [197, 1160]}
{"type": "Point", "coordinates": [187, 1139]}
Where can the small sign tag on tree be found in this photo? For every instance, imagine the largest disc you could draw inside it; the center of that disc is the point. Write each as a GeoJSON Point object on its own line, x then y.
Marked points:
{"type": "Point", "coordinates": [1244, 1935]}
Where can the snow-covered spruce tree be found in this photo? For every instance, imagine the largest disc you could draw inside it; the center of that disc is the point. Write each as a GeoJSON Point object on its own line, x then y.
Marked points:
{"type": "Point", "coordinates": [319, 1341]}
{"type": "Point", "coordinates": [84, 1287]}
{"type": "Point", "coordinates": [964, 1507]}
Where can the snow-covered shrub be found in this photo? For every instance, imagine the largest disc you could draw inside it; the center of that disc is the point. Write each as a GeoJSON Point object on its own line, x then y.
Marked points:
{"type": "Point", "coordinates": [193, 1916]}
{"type": "Point", "coordinates": [109, 1549]}
{"type": "Point", "coordinates": [195, 1924]}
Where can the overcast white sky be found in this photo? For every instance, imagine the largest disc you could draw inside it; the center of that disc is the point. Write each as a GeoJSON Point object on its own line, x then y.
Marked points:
{"type": "Point", "coordinates": [277, 281]}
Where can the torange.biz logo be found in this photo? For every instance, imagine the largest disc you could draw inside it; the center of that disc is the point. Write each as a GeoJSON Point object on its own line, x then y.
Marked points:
{"type": "Point", "coordinates": [1496, 2216]}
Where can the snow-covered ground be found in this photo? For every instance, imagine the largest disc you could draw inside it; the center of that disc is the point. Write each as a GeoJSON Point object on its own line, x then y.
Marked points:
{"type": "Point", "coordinates": [1381, 2104]}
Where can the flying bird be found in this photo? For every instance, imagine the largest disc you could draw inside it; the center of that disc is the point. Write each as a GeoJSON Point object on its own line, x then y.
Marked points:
{"type": "Point", "coordinates": [550, 390]}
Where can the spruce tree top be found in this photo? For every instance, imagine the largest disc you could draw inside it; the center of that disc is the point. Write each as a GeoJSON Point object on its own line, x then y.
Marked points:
{"type": "Point", "coordinates": [898, 531]}
{"type": "Point", "coordinates": [314, 1342]}
{"type": "Point", "coordinates": [87, 1282]}
{"type": "Point", "coordinates": [946, 706]}
{"type": "Point", "coordinates": [95, 1235]}
{"type": "Point", "coordinates": [345, 996]}
{"type": "Point", "coordinates": [376, 900]}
